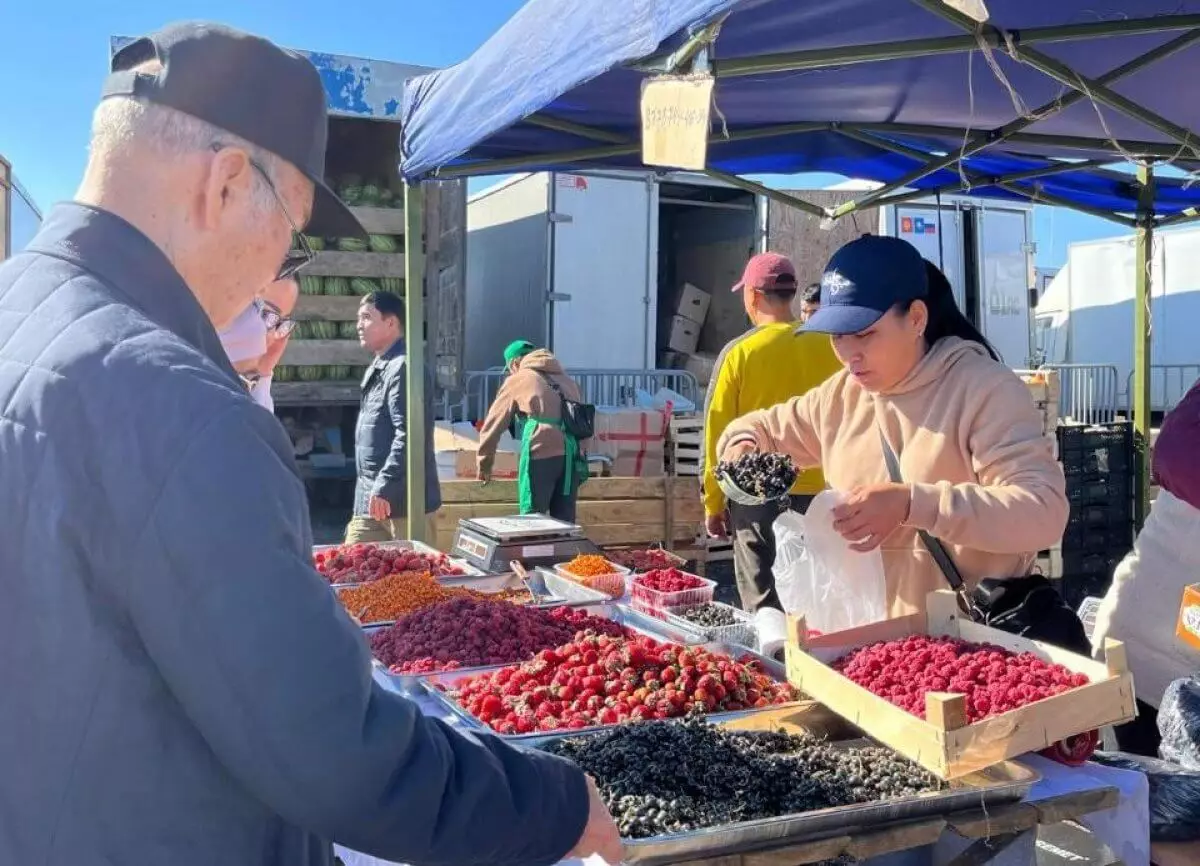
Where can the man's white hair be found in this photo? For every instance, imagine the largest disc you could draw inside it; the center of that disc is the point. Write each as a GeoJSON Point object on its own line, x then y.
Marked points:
{"type": "Point", "coordinates": [121, 123]}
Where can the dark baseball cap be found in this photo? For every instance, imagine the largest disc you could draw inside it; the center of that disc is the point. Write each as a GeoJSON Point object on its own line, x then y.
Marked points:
{"type": "Point", "coordinates": [245, 85]}
{"type": "Point", "coordinates": [768, 271]}
{"type": "Point", "coordinates": [865, 279]}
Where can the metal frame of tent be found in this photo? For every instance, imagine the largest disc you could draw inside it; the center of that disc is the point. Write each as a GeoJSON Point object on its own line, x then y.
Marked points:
{"type": "Point", "coordinates": [693, 55]}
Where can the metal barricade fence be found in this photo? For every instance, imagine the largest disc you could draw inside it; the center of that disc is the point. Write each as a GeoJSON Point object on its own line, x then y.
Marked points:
{"type": "Point", "coordinates": [1089, 393]}
{"type": "Point", "coordinates": [1168, 384]}
{"type": "Point", "coordinates": [599, 387]}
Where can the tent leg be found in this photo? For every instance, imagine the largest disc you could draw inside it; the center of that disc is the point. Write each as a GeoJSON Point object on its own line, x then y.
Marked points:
{"type": "Point", "coordinates": [414, 338]}
{"type": "Point", "coordinates": [1143, 259]}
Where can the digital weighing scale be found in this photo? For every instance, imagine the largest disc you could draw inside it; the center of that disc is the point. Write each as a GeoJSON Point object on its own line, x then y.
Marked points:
{"type": "Point", "coordinates": [491, 543]}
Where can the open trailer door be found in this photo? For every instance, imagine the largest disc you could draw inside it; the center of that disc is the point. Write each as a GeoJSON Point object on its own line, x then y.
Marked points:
{"type": "Point", "coordinates": [603, 291]}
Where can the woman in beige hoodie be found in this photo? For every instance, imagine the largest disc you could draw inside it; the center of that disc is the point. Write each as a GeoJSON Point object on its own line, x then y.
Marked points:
{"type": "Point", "coordinates": [977, 471]}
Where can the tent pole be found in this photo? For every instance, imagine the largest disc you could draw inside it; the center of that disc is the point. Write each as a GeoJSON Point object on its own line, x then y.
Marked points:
{"type": "Point", "coordinates": [973, 176]}
{"type": "Point", "coordinates": [1186, 215]}
{"type": "Point", "coordinates": [414, 366]}
{"type": "Point", "coordinates": [823, 58]}
{"type": "Point", "coordinates": [1093, 88]}
{"type": "Point", "coordinates": [1142, 280]}
{"type": "Point", "coordinates": [1057, 168]}
{"type": "Point", "coordinates": [993, 137]}
{"type": "Point", "coordinates": [774, 194]}
{"type": "Point", "coordinates": [546, 160]}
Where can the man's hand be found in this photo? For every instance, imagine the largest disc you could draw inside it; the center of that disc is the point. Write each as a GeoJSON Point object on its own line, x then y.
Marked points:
{"type": "Point", "coordinates": [717, 525]}
{"type": "Point", "coordinates": [600, 836]}
{"type": "Point", "coordinates": [379, 508]}
{"type": "Point", "coordinates": [871, 514]}
{"type": "Point", "coordinates": [737, 449]}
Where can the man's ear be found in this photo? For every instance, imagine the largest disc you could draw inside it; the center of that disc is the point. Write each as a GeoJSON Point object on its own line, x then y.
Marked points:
{"type": "Point", "coordinates": [230, 182]}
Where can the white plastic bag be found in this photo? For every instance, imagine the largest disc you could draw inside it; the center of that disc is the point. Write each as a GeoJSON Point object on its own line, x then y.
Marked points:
{"type": "Point", "coordinates": [818, 575]}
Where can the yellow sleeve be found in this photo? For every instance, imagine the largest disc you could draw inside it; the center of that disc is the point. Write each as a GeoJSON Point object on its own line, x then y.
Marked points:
{"type": "Point", "coordinates": [720, 409]}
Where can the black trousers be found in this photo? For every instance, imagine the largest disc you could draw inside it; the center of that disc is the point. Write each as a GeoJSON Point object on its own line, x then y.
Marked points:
{"type": "Point", "coordinates": [754, 549]}
{"type": "Point", "coordinates": [1141, 736]}
{"type": "Point", "coordinates": [546, 484]}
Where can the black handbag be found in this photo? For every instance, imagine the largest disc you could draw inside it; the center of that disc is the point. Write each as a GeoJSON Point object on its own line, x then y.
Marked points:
{"type": "Point", "coordinates": [1027, 605]}
{"type": "Point", "coordinates": [578, 419]}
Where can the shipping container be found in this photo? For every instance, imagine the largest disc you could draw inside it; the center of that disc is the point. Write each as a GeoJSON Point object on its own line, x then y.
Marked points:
{"type": "Point", "coordinates": [598, 265]}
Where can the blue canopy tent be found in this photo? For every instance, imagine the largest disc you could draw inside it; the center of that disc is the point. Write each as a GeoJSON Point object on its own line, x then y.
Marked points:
{"type": "Point", "coordinates": [1023, 99]}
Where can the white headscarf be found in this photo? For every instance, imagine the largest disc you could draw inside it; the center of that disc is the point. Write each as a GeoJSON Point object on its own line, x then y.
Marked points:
{"type": "Point", "coordinates": [246, 338]}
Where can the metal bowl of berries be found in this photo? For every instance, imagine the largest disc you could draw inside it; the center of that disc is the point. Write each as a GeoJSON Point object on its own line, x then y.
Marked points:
{"type": "Point", "coordinates": [756, 478]}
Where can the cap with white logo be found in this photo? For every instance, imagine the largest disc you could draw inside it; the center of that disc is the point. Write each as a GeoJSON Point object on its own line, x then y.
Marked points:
{"type": "Point", "coordinates": [865, 279]}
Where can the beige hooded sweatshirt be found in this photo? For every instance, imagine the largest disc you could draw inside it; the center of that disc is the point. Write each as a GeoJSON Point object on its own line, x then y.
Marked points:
{"type": "Point", "coordinates": [969, 438]}
{"type": "Point", "coordinates": [527, 391]}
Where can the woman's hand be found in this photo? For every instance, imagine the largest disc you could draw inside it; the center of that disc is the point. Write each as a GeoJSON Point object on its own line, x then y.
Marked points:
{"type": "Point", "coordinates": [871, 514]}
{"type": "Point", "coordinates": [736, 450]}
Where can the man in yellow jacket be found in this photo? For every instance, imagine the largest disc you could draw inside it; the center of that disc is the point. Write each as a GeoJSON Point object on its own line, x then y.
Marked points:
{"type": "Point", "coordinates": [768, 364]}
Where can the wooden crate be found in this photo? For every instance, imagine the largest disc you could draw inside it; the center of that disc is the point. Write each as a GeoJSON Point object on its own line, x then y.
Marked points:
{"type": "Point", "coordinates": [685, 445]}
{"type": "Point", "coordinates": [612, 511]}
{"type": "Point", "coordinates": [944, 743]}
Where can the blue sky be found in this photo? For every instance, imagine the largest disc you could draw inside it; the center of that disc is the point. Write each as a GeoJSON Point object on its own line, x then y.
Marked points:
{"type": "Point", "coordinates": [54, 57]}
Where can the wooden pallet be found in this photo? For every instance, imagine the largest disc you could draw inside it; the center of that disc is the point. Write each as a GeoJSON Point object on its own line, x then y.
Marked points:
{"type": "Point", "coordinates": [944, 743]}
{"type": "Point", "coordinates": [685, 445]}
{"type": "Point", "coordinates": [612, 511]}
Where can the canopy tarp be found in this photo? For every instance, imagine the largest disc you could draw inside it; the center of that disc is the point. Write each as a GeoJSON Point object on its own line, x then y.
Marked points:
{"type": "Point", "coordinates": [1027, 99]}
{"type": "Point", "coordinates": [834, 86]}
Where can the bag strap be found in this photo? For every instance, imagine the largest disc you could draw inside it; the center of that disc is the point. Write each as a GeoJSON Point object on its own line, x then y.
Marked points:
{"type": "Point", "coordinates": [936, 549]}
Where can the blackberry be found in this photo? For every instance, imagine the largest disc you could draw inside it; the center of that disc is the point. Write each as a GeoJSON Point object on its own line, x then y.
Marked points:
{"type": "Point", "coordinates": [662, 777]}
{"type": "Point", "coordinates": [768, 476]}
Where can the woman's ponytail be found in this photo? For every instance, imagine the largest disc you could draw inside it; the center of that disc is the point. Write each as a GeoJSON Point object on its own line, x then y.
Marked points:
{"type": "Point", "coordinates": [945, 318]}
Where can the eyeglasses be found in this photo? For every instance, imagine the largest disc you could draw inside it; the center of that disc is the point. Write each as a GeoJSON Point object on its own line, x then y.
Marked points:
{"type": "Point", "coordinates": [276, 322]}
{"type": "Point", "coordinates": [301, 254]}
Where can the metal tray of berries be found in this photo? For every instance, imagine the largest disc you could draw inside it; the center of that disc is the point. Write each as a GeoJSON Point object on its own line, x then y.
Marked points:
{"type": "Point", "coordinates": [438, 686]}
{"type": "Point", "coordinates": [469, 571]}
{"type": "Point", "coordinates": [416, 684]}
{"type": "Point", "coordinates": [740, 630]}
{"type": "Point", "coordinates": [1006, 782]}
{"type": "Point", "coordinates": [492, 584]}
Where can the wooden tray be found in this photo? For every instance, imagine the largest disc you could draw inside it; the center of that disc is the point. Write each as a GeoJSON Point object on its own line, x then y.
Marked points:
{"type": "Point", "coordinates": [943, 742]}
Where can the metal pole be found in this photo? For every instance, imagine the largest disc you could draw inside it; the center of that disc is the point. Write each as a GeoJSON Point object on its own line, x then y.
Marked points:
{"type": "Point", "coordinates": [1064, 74]}
{"type": "Point", "coordinates": [993, 137]}
{"type": "Point", "coordinates": [774, 194]}
{"type": "Point", "coordinates": [414, 367]}
{"type": "Point", "coordinates": [1143, 258]}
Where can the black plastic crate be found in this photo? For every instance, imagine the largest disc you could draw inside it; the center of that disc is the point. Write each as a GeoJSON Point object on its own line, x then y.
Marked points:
{"type": "Point", "coordinates": [1075, 588]}
{"type": "Point", "coordinates": [1100, 490]}
{"type": "Point", "coordinates": [1081, 437]}
{"type": "Point", "coordinates": [1110, 514]}
{"type": "Point", "coordinates": [1089, 539]}
{"type": "Point", "coordinates": [1099, 564]}
{"type": "Point", "coordinates": [1117, 460]}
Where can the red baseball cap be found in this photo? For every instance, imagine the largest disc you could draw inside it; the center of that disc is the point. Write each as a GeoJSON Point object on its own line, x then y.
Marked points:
{"type": "Point", "coordinates": [768, 271]}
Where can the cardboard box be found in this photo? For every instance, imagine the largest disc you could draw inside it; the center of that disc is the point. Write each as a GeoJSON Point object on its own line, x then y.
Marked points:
{"type": "Point", "coordinates": [635, 440]}
{"type": "Point", "coordinates": [693, 303]}
{"type": "Point", "coordinates": [462, 440]}
{"type": "Point", "coordinates": [1187, 627]}
{"type": "Point", "coordinates": [684, 336]}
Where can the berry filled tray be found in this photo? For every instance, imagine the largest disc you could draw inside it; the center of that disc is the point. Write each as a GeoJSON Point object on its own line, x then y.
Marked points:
{"type": "Point", "coordinates": [868, 807]}
{"type": "Point", "coordinates": [765, 677]}
{"type": "Point", "coordinates": [347, 574]}
{"type": "Point", "coordinates": [414, 684]}
{"type": "Point", "coordinates": [955, 696]}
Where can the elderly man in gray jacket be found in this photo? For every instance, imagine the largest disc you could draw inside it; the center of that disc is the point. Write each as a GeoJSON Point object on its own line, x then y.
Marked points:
{"type": "Point", "coordinates": [180, 687]}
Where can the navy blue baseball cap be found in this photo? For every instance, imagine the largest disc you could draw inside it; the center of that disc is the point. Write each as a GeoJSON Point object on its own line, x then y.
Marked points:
{"type": "Point", "coordinates": [865, 279]}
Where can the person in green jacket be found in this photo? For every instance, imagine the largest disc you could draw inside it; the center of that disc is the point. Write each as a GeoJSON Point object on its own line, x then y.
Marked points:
{"type": "Point", "coordinates": [552, 462]}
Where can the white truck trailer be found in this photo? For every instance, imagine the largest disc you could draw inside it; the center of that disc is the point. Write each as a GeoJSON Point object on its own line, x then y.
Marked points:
{"type": "Point", "coordinates": [595, 264]}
